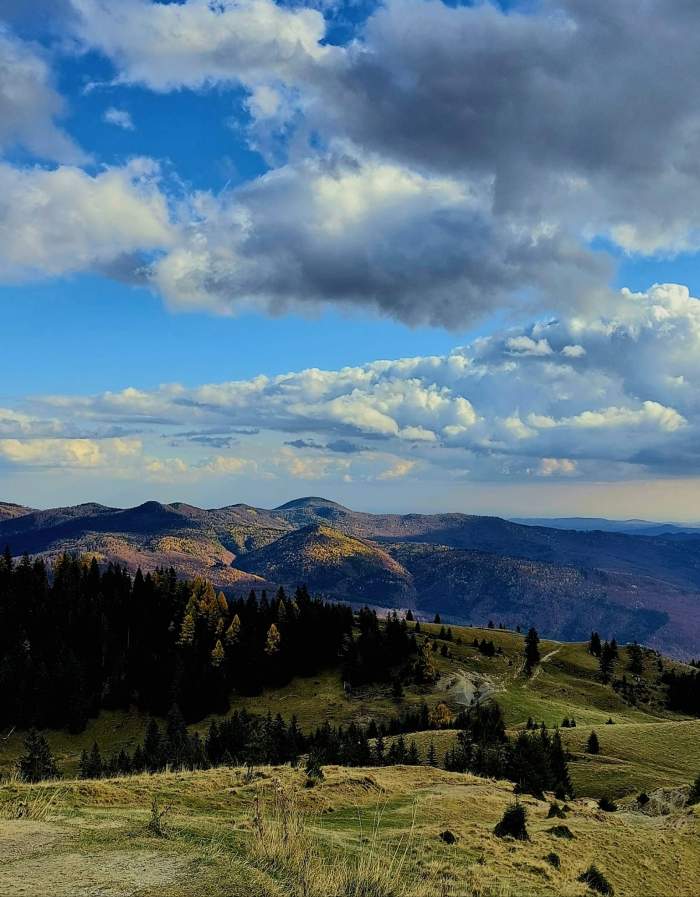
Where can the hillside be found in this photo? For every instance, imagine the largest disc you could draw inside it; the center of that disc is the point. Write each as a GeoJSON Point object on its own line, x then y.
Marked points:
{"type": "Point", "coordinates": [644, 587]}
{"type": "Point", "coordinates": [333, 563]}
{"type": "Point", "coordinates": [262, 830]}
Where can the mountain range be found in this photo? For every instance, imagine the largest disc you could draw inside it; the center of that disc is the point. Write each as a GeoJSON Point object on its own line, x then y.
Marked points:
{"type": "Point", "coordinates": [642, 586]}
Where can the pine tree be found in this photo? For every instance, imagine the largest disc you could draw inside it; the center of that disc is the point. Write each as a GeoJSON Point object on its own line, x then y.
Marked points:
{"type": "Point", "coordinates": [593, 745]}
{"type": "Point", "coordinates": [594, 646]}
{"type": "Point", "coordinates": [432, 756]}
{"type": "Point", "coordinates": [532, 652]}
{"type": "Point", "coordinates": [607, 660]}
{"type": "Point", "coordinates": [37, 761]}
{"type": "Point", "coordinates": [187, 630]}
{"type": "Point", "coordinates": [413, 758]}
{"type": "Point", "coordinates": [409, 615]}
{"type": "Point", "coordinates": [437, 619]}
{"type": "Point", "coordinates": [379, 750]}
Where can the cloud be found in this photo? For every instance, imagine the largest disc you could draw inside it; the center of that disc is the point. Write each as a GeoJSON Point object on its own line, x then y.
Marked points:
{"type": "Point", "coordinates": [70, 453]}
{"type": "Point", "coordinates": [448, 160]}
{"type": "Point", "coordinates": [398, 470]}
{"type": "Point", "coordinates": [118, 117]}
{"type": "Point", "coordinates": [359, 232]}
{"type": "Point", "coordinates": [556, 467]}
{"type": "Point", "coordinates": [200, 43]}
{"type": "Point", "coordinates": [626, 405]}
{"type": "Point", "coordinates": [30, 105]}
{"type": "Point", "coordinates": [57, 221]}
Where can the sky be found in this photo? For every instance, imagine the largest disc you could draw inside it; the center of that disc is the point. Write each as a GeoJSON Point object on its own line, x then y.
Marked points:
{"type": "Point", "coordinates": [410, 256]}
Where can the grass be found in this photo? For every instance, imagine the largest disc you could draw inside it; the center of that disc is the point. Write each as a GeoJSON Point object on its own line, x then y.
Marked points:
{"type": "Point", "coordinates": [647, 748]}
{"type": "Point", "coordinates": [358, 833]}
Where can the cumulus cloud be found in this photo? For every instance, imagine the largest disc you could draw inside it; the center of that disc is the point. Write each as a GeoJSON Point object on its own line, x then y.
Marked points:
{"type": "Point", "coordinates": [625, 406]}
{"type": "Point", "coordinates": [56, 221]}
{"type": "Point", "coordinates": [359, 232]}
{"type": "Point", "coordinates": [30, 106]}
{"type": "Point", "coordinates": [75, 453]}
{"type": "Point", "coordinates": [199, 42]}
{"type": "Point", "coordinates": [485, 147]}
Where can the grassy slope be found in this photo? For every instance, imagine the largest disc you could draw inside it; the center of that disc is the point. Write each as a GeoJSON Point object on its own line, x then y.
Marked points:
{"type": "Point", "coordinates": [646, 748]}
{"type": "Point", "coordinates": [93, 839]}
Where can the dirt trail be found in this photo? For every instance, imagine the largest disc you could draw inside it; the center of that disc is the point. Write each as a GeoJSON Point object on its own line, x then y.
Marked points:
{"type": "Point", "coordinates": [39, 858]}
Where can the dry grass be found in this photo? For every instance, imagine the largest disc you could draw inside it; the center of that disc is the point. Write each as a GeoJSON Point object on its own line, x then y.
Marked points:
{"type": "Point", "coordinates": [285, 841]}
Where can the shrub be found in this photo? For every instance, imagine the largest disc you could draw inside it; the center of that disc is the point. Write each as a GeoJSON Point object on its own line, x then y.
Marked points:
{"type": "Point", "coordinates": [561, 831]}
{"type": "Point", "coordinates": [156, 824]}
{"type": "Point", "coordinates": [606, 804]}
{"type": "Point", "coordinates": [694, 793]}
{"type": "Point", "coordinates": [513, 824]}
{"type": "Point", "coordinates": [596, 881]}
{"type": "Point", "coordinates": [314, 773]}
{"type": "Point", "coordinates": [643, 799]}
{"type": "Point", "coordinates": [555, 811]}
{"type": "Point", "coordinates": [553, 860]}
{"type": "Point", "coordinates": [448, 837]}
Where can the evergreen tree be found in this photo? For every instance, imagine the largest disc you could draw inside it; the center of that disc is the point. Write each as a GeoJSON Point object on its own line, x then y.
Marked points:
{"type": "Point", "coordinates": [594, 645]}
{"type": "Point", "coordinates": [273, 641]}
{"type": "Point", "coordinates": [432, 756]}
{"type": "Point", "coordinates": [607, 660]}
{"type": "Point", "coordinates": [36, 762]}
{"type": "Point", "coordinates": [593, 745]}
{"type": "Point", "coordinates": [409, 615]}
{"type": "Point", "coordinates": [437, 619]}
{"type": "Point", "coordinates": [532, 651]}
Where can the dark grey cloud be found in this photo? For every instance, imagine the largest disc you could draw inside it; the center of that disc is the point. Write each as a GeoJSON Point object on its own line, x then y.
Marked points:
{"type": "Point", "coordinates": [345, 447]}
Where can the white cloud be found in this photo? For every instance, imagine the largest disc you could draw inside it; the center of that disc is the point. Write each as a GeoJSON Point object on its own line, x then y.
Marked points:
{"type": "Point", "coordinates": [75, 453]}
{"type": "Point", "coordinates": [616, 411]}
{"type": "Point", "coordinates": [398, 470]}
{"type": "Point", "coordinates": [556, 467]}
{"type": "Point", "coordinates": [30, 104]}
{"type": "Point", "coordinates": [121, 118]}
{"type": "Point", "coordinates": [53, 222]}
{"type": "Point", "coordinates": [199, 43]}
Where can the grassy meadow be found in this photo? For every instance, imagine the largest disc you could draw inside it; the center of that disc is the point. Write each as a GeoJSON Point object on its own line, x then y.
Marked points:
{"type": "Point", "coordinates": [373, 832]}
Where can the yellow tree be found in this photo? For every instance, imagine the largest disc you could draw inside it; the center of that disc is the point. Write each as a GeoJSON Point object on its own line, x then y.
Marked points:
{"type": "Point", "coordinates": [272, 643]}
{"type": "Point", "coordinates": [217, 655]}
{"type": "Point", "coordinates": [233, 633]}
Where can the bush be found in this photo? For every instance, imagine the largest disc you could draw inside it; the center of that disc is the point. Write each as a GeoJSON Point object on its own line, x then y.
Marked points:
{"type": "Point", "coordinates": [513, 824]}
{"type": "Point", "coordinates": [553, 860]}
{"type": "Point", "coordinates": [609, 806]}
{"type": "Point", "coordinates": [694, 793]}
{"type": "Point", "coordinates": [643, 799]}
{"type": "Point", "coordinates": [448, 837]}
{"type": "Point", "coordinates": [561, 831]}
{"type": "Point", "coordinates": [596, 881]}
{"type": "Point", "coordinates": [555, 811]}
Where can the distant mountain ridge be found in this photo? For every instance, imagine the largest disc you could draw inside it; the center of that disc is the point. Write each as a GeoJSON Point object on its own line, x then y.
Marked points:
{"type": "Point", "coordinates": [565, 581]}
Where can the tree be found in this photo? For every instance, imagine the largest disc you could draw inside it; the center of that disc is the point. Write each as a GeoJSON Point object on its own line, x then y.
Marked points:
{"type": "Point", "coordinates": [413, 758]}
{"type": "Point", "coordinates": [409, 615]}
{"type": "Point", "coordinates": [594, 646]}
{"type": "Point", "coordinates": [233, 633]}
{"type": "Point", "coordinates": [273, 640]}
{"type": "Point", "coordinates": [217, 654]}
{"type": "Point", "coordinates": [532, 651]}
{"type": "Point", "coordinates": [694, 793]}
{"type": "Point", "coordinates": [37, 762]}
{"type": "Point", "coordinates": [607, 661]}
{"type": "Point", "coordinates": [593, 745]}
{"type": "Point", "coordinates": [437, 619]}
{"type": "Point", "coordinates": [636, 665]}
{"type": "Point", "coordinates": [432, 756]}
{"type": "Point", "coordinates": [397, 689]}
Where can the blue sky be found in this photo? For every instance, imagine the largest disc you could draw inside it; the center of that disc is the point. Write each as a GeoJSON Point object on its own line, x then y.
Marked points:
{"type": "Point", "coordinates": [236, 194]}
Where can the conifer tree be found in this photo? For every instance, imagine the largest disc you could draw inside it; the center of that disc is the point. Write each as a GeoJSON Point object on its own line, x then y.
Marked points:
{"type": "Point", "coordinates": [532, 651]}
{"type": "Point", "coordinates": [37, 761]}
{"type": "Point", "coordinates": [593, 745]}
{"type": "Point", "coordinates": [594, 646]}
{"type": "Point", "coordinates": [273, 640]}
{"type": "Point", "coordinates": [437, 619]}
{"type": "Point", "coordinates": [233, 633]}
{"type": "Point", "coordinates": [432, 756]}
{"type": "Point", "coordinates": [217, 654]}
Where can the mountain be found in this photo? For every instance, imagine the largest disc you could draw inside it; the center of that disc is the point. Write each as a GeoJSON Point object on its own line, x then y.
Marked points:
{"type": "Point", "coordinates": [8, 510]}
{"type": "Point", "coordinates": [469, 568]}
{"type": "Point", "coordinates": [632, 527]}
{"type": "Point", "coordinates": [334, 563]}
